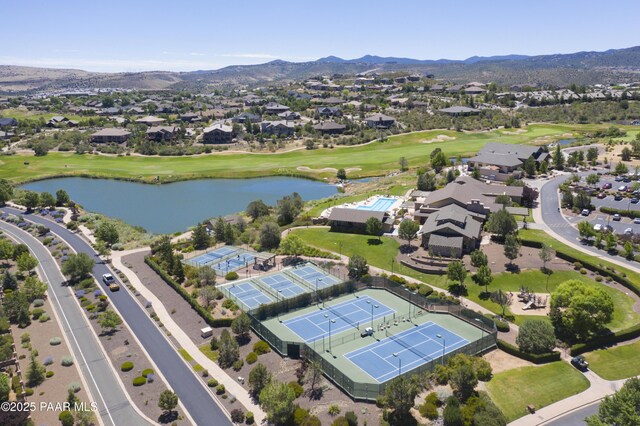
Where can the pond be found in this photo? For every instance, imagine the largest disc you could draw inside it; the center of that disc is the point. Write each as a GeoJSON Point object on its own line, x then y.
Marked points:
{"type": "Point", "coordinates": [563, 142]}
{"type": "Point", "coordinates": [177, 206]}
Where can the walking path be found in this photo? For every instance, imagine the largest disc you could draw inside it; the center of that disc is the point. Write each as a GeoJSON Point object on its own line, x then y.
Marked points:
{"type": "Point", "coordinates": [231, 385]}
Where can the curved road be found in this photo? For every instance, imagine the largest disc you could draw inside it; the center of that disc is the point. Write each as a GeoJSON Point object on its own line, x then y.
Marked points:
{"type": "Point", "coordinates": [114, 407]}
{"type": "Point", "coordinates": [194, 395]}
{"type": "Point", "coordinates": [575, 418]}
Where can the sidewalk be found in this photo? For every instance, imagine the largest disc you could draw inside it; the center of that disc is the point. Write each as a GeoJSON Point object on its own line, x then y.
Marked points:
{"type": "Point", "coordinates": [233, 387]}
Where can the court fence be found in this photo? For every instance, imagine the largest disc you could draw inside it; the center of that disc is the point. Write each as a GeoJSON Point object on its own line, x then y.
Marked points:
{"type": "Point", "coordinates": [314, 351]}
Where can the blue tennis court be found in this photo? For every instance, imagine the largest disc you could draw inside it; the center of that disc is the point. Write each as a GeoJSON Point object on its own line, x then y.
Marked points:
{"type": "Point", "coordinates": [382, 204]}
{"type": "Point", "coordinates": [405, 351]}
{"type": "Point", "coordinates": [347, 315]}
{"type": "Point", "coordinates": [314, 275]}
{"type": "Point", "coordinates": [212, 256]}
{"type": "Point", "coordinates": [282, 285]}
{"type": "Point", "coordinates": [249, 295]}
{"type": "Point", "coordinates": [233, 263]}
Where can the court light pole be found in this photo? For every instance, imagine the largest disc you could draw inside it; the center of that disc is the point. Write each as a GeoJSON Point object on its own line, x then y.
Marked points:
{"type": "Point", "coordinates": [277, 307]}
{"type": "Point", "coordinates": [399, 363]}
{"type": "Point", "coordinates": [317, 297]}
{"type": "Point", "coordinates": [330, 321]}
{"type": "Point", "coordinates": [372, 306]}
{"type": "Point", "coordinates": [439, 336]}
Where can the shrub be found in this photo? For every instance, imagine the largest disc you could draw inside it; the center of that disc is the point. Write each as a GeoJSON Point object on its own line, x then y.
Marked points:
{"type": "Point", "coordinates": [25, 338]}
{"type": "Point", "coordinates": [37, 303]}
{"type": "Point", "coordinates": [424, 290]}
{"type": "Point", "coordinates": [352, 418]}
{"type": "Point", "coordinates": [205, 373]}
{"type": "Point", "coordinates": [297, 389]}
{"type": "Point", "coordinates": [231, 276]}
{"type": "Point", "coordinates": [212, 383]}
{"type": "Point", "coordinates": [237, 365]}
{"type": "Point", "coordinates": [55, 341]}
{"type": "Point", "coordinates": [146, 372]}
{"type": "Point", "coordinates": [429, 411]}
{"type": "Point", "coordinates": [139, 381]}
{"type": "Point", "coordinates": [502, 326]}
{"type": "Point", "coordinates": [249, 418]}
{"type": "Point", "coordinates": [49, 374]}
{"type": "Point", "coordinates": [251, 358]}
{"type": "Point", "coordinates": [36, 313]}
{"type": "Point", "coordinates": [66, 418]}
{"type": "Point", "coordinates": [299, 415]}
{"type": "Point", "coordinates": [66, 361]}
{"type": "Point", "coordinates": [44, 317]}
{"type": "Point", "coordinates": [334, 409]}
{"type": "Point", "coordinates": [237, 416]}
{"type": "Point", "coordinates": [261, 347]}
{"type": "Point", "coordinates": [220, 389]}
{"type": "Point", "coordinates": [583, 271]}
{"type": "Point", "coordinates": [126, 366]}
{"type": "Point", "coordinates": [536, 359]}
{"type": "Point", "coordinates": [47, 360]}
{"type": "Point", "coordinates": [28, 391]}
{"type": "Point", "coordinates": [74, 387]}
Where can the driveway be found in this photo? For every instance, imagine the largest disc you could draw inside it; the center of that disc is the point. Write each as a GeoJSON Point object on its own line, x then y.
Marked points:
{"type": "Point", "coordinates": [194, 395]}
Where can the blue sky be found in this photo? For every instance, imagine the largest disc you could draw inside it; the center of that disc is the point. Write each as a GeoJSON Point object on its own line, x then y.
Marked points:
{"type": "Point", "coordinates": [185, 35]}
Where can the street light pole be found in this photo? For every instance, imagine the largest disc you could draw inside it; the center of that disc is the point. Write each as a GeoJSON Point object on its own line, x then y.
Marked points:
{"type": "Point", "coordinates": [392, 262]}
{"type": "Point", "coordinates": [399, 363]}
{"type": "Point", "coordinates": [439, 336]}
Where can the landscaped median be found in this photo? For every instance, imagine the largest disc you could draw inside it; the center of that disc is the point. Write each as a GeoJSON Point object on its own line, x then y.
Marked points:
{"type": "Point", "coordinates": [537, 386]}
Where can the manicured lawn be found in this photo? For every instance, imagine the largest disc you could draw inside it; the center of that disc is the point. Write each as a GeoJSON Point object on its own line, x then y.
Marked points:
{"type": "Point", "coordinates": [206, 349]}
{"type": "Point", "coordinates": [185, 355]}
{"type": "Point", "coordinates": [373, 159]}
{"type": "Point", "coordinates": [380, 255]}
{"type": "Point", "coordinates": [616, 363]}
{"type": "Point", "coordinates": [537, 386]}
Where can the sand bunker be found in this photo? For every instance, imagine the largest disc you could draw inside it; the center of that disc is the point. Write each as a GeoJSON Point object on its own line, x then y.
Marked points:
{"type": "Point", "coordinates": [439, 138]}
{"type": "Point", "coordinates": [514, 132]}
{"type": "Point", "coordinates": [326, 169]}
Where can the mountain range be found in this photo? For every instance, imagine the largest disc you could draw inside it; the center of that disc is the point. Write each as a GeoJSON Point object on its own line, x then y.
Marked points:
{"type": "Point", "coordinates": [611, 66]}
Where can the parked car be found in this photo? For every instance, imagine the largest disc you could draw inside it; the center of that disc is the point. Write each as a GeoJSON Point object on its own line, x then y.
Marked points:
{"type": "Point", "coordinates": [617, 197]}
{"type": "Point", "coordinates": [601, 195]}
{"type": "Point", "coordinates": [366, 332]}
{"type": "Point", "coordinates": [607, 185]}
{"type": "Point", "coordinates": [618, 178]}
{"type": "Point", "coordinates": [636, 220]}
{"type": "Point", "coordinates": [622, 188]}
{"type": "Point", "coordinates": [585, 212]}
{"type": "Point", "coordinates": [628, 231]}
{"type": "Point", "coordinates": [634, 200]}
{"type": "Point", "coordinates": [617, 217]}
{"type": "Point", "coordinates": [626, 179]}
{"type": "Point", "coordinates": [597, 227]}
{"type": "Point", "coordinates": [580, 363]}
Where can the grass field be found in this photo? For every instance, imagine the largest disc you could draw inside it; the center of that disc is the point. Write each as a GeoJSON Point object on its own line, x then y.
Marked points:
{"type": "Point", "coordinates": [616, 363]}
{"type": "Point", "coordinates": [538, 386]}
{"type": "Point", "coordinates": [380, 255]}
{"type": "Point", "coordinates": [376, 158]}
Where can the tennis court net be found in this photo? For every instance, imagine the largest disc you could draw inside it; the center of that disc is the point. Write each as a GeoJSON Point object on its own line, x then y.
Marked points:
{"type": "Point", "coordinates": [342, 317]}
{"type": "Point", "coordinates": [404, 344]}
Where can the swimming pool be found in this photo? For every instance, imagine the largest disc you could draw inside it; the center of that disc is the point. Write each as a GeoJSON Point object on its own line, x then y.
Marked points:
{"type": "Point", "coordinates": [382, 204]}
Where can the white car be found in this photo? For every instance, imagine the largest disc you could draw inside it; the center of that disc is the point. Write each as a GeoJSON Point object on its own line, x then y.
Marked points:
{"type": "Point", "coordinates": [628, 231]}
{"type": "Point", "coordinates": [597, 227]}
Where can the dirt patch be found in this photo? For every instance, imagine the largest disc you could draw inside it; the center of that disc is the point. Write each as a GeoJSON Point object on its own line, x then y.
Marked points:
{"type": "Point", "coordinates": [529, 259]}
{"type": "Point", "coordinates": [501, 361]}
{"type": "Point", "coordinates": [439, 138]}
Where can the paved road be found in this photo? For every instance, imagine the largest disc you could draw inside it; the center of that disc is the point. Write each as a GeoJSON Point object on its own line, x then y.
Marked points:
{"type": "Point", "coordinates": [575, 418]}
{"type": "Point", "coordinates": [113, 406]}
{"type": "Point", "coordinates": [194, 395]}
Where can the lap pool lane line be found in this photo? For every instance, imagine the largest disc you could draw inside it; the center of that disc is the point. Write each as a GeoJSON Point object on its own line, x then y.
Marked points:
{"type": "Point", "coordinates": [196, 398]}
{"type": "Point", "coordinates": [115, 408]}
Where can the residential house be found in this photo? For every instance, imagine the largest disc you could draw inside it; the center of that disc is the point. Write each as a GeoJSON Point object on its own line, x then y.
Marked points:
{"type": "Point", "coordinates": [499, 161]}
{"type": "Point", "coordinates": [452, 231]}
{"type": "Point", "coordinates": [8, 122]}
{"type": "Point", "coordinates": [380, 121]}
{"type": "Point", "coordinates": [278, 128]}
{"type": "Point", "coordinates": [190, 117]}
{"type": "Point", "coordinates": [355, 220]}
{"type": "Point", "coordinates": [325, 111]}
{"type": "Point", "coordinates": [59, 121]}
{"type": "Point", "coordinates": [218, 133]}
{"type": "Point", "coordinates": [244, 116]}
{"type": "Point", "coordinates": [150, 120]}
{"type": "Point", "coordinates": [110, 135]}
{"type": "Point", "coordinates": [458, 110]}
{"type": "Point", "coordinates": [455, 89]}
{"type": "Point", "coordinates": [474, 90]}
{"type": "Point", "coordinates": [162, 133]}
{"type": "Point", "coordinates": [330, 128]}
{"type": "Point", "coordinates": [289, 115]}
{"type": "Point", "coordinates": [274, 108]}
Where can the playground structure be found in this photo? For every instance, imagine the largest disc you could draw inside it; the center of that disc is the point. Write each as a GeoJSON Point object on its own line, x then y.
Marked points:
{"type": "Point", "coordinates": [531, 300]}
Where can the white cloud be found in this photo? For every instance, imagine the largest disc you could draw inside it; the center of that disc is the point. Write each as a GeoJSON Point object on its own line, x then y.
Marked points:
{"type": "Point", "coordinates": [196, 54]}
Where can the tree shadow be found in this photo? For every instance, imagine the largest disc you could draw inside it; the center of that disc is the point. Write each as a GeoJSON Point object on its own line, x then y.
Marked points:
{"type": "Point", "coordinates": [485, 295]}
{"type": "Point", "coordinates": [458, 290]}
{"type": "Point", "coordinates": [512, 267]}
{"type": "Point", "coordinates": [315, 394]}
{"type": "Point", "coordinates": [243, 339]}
{"type": "Point", "coordinates": [407, 249]}
{"type": "Point", "coordinates": [109, 333]}
{"type": "Point", "coordinates": [168, 417]}
{"type": "Point", "coordinates": [374, 242]}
